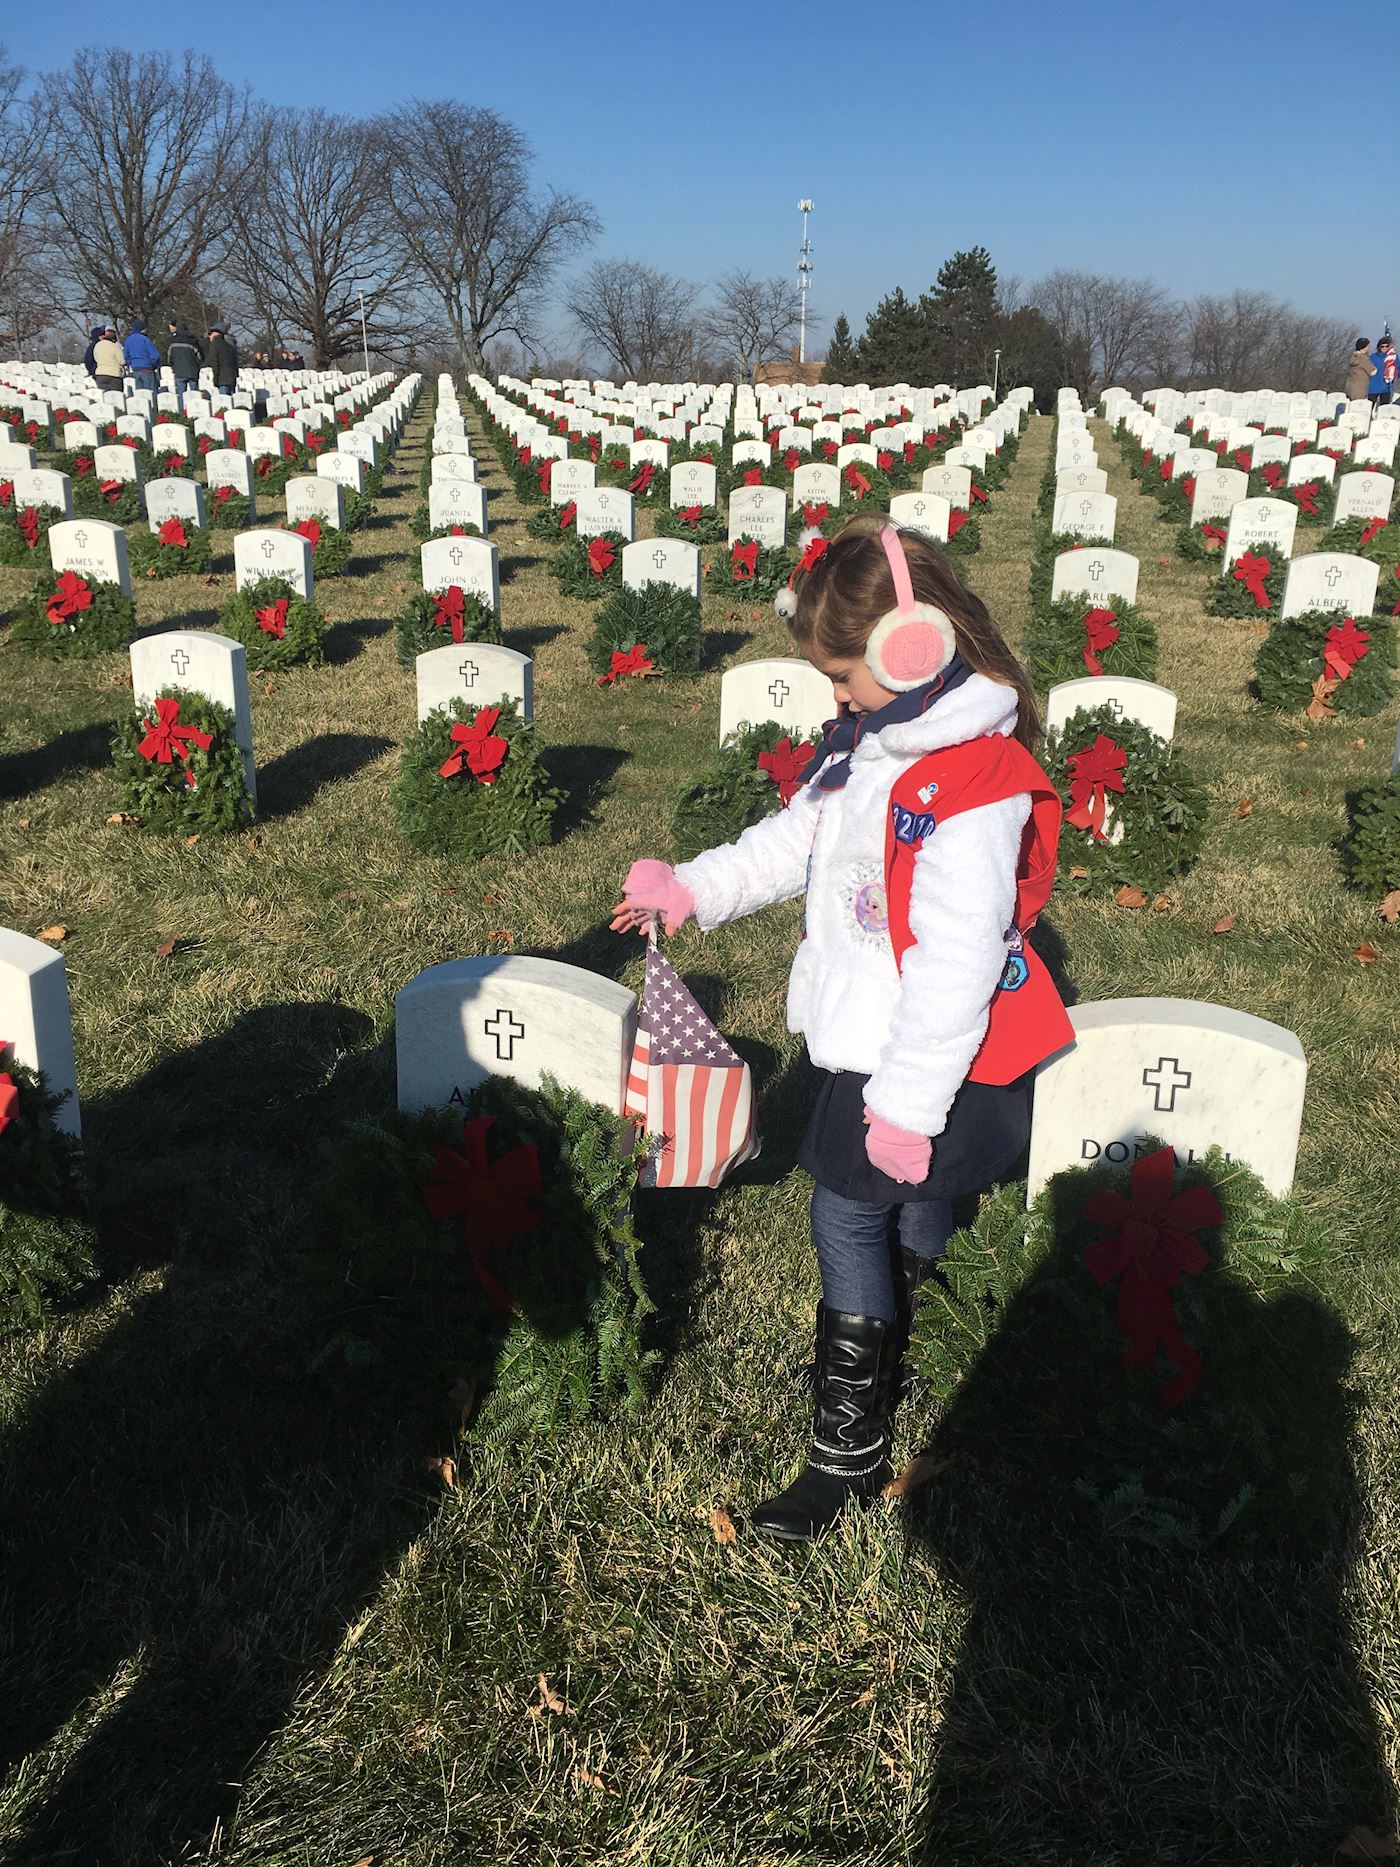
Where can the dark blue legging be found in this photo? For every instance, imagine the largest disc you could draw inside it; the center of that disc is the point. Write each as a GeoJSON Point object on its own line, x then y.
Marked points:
{"type": "Point", "coordinates": [855, 1241]}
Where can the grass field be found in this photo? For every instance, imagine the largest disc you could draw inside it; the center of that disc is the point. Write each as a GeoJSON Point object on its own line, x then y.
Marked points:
{"type": "Point", "coordinates": [238, 1624]}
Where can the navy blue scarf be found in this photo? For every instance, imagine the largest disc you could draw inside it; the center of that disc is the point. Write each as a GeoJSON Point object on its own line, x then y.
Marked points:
{"type": "Point", "coordinates": [847, 730]}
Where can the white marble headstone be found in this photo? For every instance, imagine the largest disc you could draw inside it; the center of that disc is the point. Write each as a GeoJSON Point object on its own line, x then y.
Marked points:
{"type": "Point", "coordinates": [788, 690]}
{"type": "Point", "coordinates": [1143, 701]}
{"type": "Point", "coordinates": [206, 664]}
{"type": "Point", "coordinates": [922, 512]}
{"type": "Point", "coordinates": [1260, 525]}
{"type": "Point", "coordinates": [692, 483]}
{"type": "Point", "coordinates": [1218, 490]}
{"type": "Point", "coordinates": [952, 483]}
{"type": "Point", "coordinates": [457, 502]}
{"type": "Point", "coordinates": [1097, 572]}
{"type": "Point", "coordinates": [93, 548]}
{"type": "Point", "coordinates": [1085, 515]}
{"type": "Point", "coordinates": [467, 1019]}
{"type": "Point", "coordinates": [1329, 580]}
{"type": "Point", "coordinates": [1196, 1076]}
{"type": "Point", "coordinates": [570, 478]}
{"type": "Point", "coordinates": [472, 564]}
{"type": "Point", "coordinates": [605, 509]}
{"type": "Point", "coordinates": [171, 438]}
{"type": "Point", "coordinates": [671, 561]}
{"type": "Point", "coordinates": [17, 457]}
{"type": "Point", "coordinates": [1362, 495]}
{"type": "Point", "coordinates": [117, 463]}
{"type": "Point", "coordinates": [45, 489]}
{"type": "Point", "coordinates": [35, 1024]}
{"type": "Point", "coordinates": [265, 553]}
{"type": "Point", "coordinates": [453, 467]}
{"type": "Point", "coordinates": [758, 512]}
{"type": "Point", "coordinates": [347, 469]}
{"type": "Point", "coordinates": [1305, 467]}
{"type": "Point", "coordinates": [174, 499]}
{"type": "Point", "coordinates": [311, 497]}
{"type": "Point", "coordinates": [229, 466]}
{"type": "Point", "coordinates": [479, 673]}
{"type": "Point", "coordinates": [817, 484]}
{"type": "Point", "coordinates": [1075, 479]}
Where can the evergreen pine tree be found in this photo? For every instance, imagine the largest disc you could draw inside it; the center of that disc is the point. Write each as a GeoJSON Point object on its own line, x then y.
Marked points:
{"type": "Point", "coordinates": [841, 361]}
{"type": "Point", "coordinates": [895, 341]}
{"type": "Point", "coordinates": [965, 316]}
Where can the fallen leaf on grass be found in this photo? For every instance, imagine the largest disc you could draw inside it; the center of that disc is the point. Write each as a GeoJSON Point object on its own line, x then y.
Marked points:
{"type": "Point", "coordinates": [190, 841]}
{"type": "Point", "coordinates": [1300, 745]}
{"type": "Point", "coordinates": [1165, 563]}
{"type": "Point", "coordinates": [1389, 907]}
{"type": "Point", "coordinates": [590, 1779]}
{"type": "Point", "coordinates": [1366, 953]}
{"type": "Point", "coordinates": [722, 1526]}
{"type": "Point", "coordinates": [1360, 744]}
{"type": "Point", "coordinates": [915, 1475]}
{"type": "Point", "coordinates": [269, 687]}
{"type": "Point", "coordinates": [1224, 924]}
{"type": "Point", "coordinates": [1320, 706]}
{"type": "Point", "coordinates": [168, 948]}
{"type": "Point", "coordinates": [347, 894]}
{"type": "Point", "coordinates": [445, 1469]}
{"type": "Point", "coordinates": [55, 934]}
{"type": "Point", "coordinates": [1245, 807]}
{"type": "Point", "coordinates": [549, 1700]}
{"type": "Point", "coordinates": [1363, 1844]}
{"type": "Point", "coordinates": [254, 844]}
{"type": "Point", "coordinates": [1078, 875]}
{"type": "Point", "coordinates": [123, 816]}
{"type": "Point", "coordinates": [1130, 897]}
{"type": "Point", "coordinates": [24, 823]}
{"type": "Point", "coordinates": [1161, 904]}
{"type": "Point", "coordinates": [463, 1397]}
{"type": "Point", "coordinates": [211, 580]}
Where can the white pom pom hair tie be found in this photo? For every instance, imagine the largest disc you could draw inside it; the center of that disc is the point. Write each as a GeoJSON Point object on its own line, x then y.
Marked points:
{"type": "Point", "coordinates": [813, 548]}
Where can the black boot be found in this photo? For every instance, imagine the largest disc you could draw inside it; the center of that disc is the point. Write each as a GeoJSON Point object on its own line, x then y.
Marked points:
{"type": "Point", "coordinates": [849, 1454]}
{"type": "Point", "coordinates": [912, 1270]}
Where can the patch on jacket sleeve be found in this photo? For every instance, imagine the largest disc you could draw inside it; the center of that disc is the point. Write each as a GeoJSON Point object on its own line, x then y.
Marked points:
{"type": "Point", "coordinates": [911, 826]}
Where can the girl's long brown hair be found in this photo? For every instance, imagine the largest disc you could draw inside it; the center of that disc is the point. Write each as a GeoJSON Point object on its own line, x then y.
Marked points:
{"type": "Point", "coordinates": [850, 588]}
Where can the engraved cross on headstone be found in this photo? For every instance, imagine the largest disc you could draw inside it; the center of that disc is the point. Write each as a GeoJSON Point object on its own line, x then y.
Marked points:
{"type": "Point", "coordinates": [779, 691]}
{"type": "Point", "coordinates": [1166, 1085]}
{"type": "Point", "coordinates": [455, 556]}
{"type": "Point", "coordinates": [469, 672]}
{"type": "Point", "coordinates": [506, 1029]}
{"type": "Point", "coordinates": [80, 539]}
{"type": "Point", "coordinates": [658, 558]}
{"type": "Point", "coordinates": [269, 550]}
{"type": "Point", "coordinates": [1331, 575]}
{"type": "Point", "coordinates": [180, 661]}
{"type": "Point", "coordinates": [1096, 570]}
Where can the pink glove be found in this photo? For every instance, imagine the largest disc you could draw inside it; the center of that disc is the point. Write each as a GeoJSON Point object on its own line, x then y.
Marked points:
{"type": "Point", "coordinates": [651, 889]}
{"type": "Point", "coordinates": [896, 1152]}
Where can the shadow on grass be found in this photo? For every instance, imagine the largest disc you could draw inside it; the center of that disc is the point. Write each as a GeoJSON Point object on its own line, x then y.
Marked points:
{"type": "Point", "coordinates": [343, 641]}
{"type": "Point", "coordinates": [290, 782]}
{"type": "Point", "coordinates": [1134, 1682]}
{"type": "Point", "coordinates": [719, 646]}
{"type": "Point", "coordinates": [583, 773]}
{"type": "Point", "coordinates": [191, 1517]}
{"type": "Point", "coordinates": [189, 619]}
{"type": "Point", "coordinates": [80, 748]}
{"type": "Point", "coordinates": [526, 641]}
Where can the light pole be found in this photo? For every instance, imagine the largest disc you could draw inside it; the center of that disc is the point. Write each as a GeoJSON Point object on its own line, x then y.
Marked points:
{"type": "Point", "coordinates": [996, 372]}
{"type": "Point", "coordinates": [364, 335]}
{"type": "Point", "coordinates": [804, 280]}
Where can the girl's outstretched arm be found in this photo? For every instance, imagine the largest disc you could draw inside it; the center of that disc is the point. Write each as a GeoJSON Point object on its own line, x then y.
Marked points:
{"type": "Point", "coordinates": [766, 865]}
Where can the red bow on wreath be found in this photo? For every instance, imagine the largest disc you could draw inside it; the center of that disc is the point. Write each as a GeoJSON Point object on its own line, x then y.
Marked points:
{"type": "Point", "coordinates": [957, 518]}
{"type": "Point", "coordinates": [111, 490]}
{"type": "Point", "coordinates": [222, 495]}
{"type": "Point", "coordinates": [1100, 632]}
{"type": "Point", "coordinates": [744, 561]}
{"type": "Point", "coordinates": [522, 454]}
{"type": "Point", "coordinates": [482, 750]}
{"type": "Point", "coordinates": [909, 452]}
{"type": "Point", "coordinates": [7, 492]}
{"type": "Point", "coordinates": [262, 466]}
{"type": "Point", "coordinates": [785, 765]}
{"type": "Point", "coordinates": [1306, 495]}
{"type": "Point", "coordinates": [9, 1094]}
{"type": "Point", "coordinates": [753, 476]}
{"type": "Point", "coordinates": [979, 497]}
{"type": "Point", "coordinates": [83, 462]}
{"type": "Point", "coordinates": [545, 476]}
{"type": "Point", "coordinates": [172, 532]}
{"type": "Point", "coordinates": [1272, 471]}
{"type": "Point", "coordinates": [645, 474]}
{"type": "Point", "coordinates": [1093, 773]}
{"type": "Point", "coordinates": [1188, 486]}
{"type": "Point", "coordinates": [1345, 646]}
{"type": "Point", "coordinates": [792, 460]}
{"type": "Point", "coordinates": [567, 515]}
{"type": "Point", "coordinates": [273, 619]}
{"type": "Point", "coordinates": [856, 480]}
{"type": "Point", "coordinates": [499, 1199]}
{"type": "Point", "coordinates": [1374, 526]}
{"type": "Point", "coordinates": [633, 660]}
{"type": "Point", "coordinates": [815, 514]}
{"type": "Point", "coordinates": [690, 515]}
{"type": "Point", "coordinates": [73, 593]}
{"type": "Point", "coordinates": [167, 739]}
{"type": "Point", "coordinates": [310, 530]}
{"type": "Point", "coordinates": [1166, 470]}
{"type": "Point", "coordinates": [830, 449]}
{"type": "Point", "coordinates": [1212, 534]}
{"type": "Point", "coordinates": [600, 555]}
{"type": "Point", "coordinates": [28, 522]}
{"type": "Point", "coordinates": [448, 608]}
{"type": "Point", "coordinates": [884, 460]}
{"type": "Point", "coordinates": [1151, 1250]}
{"type": "Point", "coordinates": [1251, 570]}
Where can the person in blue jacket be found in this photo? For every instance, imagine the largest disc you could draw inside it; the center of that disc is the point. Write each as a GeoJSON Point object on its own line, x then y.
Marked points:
{"type": "Point", "coordinates": [1378, 389]}
{"type": "Point", "coordinates": [142, 357]}
{"type": "Point", "coordinates": [90, 354]}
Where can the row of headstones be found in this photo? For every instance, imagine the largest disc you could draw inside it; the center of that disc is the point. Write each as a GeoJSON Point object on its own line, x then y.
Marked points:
{"type": "Point", "coordinates": [454, 495]}
{"type": "Point", "coordinates": [1374, 448]}
{"type": "Point", "coordinates": [43, 388]}
{"type": "Point", "coordinates": [319, 496]}
{"type": "Point", "coordinates": [1221, 413]}
{"type": "Point", "coordinates": [1194, 1075]}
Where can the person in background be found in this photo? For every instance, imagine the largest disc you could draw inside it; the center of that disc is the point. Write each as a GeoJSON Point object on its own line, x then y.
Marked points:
{"type": "Point", "coordinates": [1389, 368]}
{"type": "Point", "coordinates": [1376, 388]}
{"type": "Point", "coordinates": [185, 356]}
{"type": "Point", "coordinates": [89, 363]}
{"type": "Point", "coordinates": [223, 359]}
{"type": "Point", "coordinates": [107, 360]}
{"type": "Point", "coordinates": [1359, 371]}
{"type": "Point", "coordinates": [142, 357]}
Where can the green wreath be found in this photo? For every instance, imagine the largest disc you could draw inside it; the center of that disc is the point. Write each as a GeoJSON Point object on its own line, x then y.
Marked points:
{"type": "Point", "coordinates": [1382, 547]}
{"type": "Point", "coordinates": [102, 628]}
{"type": "Point", "coordinates": [665, 620]}
{"type": "Point", "coordinates": [459, 815]}
{"type": "Point", "coordinates": [1161, 808]}
{"type": "Point", "coordinates": [1057, 641]}
{"type": "Point", "coordinates": [330, 550]}
{"type": "Point", "coordinates": [422, 526]}
{"type": "Point", "coordinates": [47, 1243]}
{"type": "Point", "coordinates": [1264, 483]}
{"type": "Point", "coordinates": [1248, 1460]}
{"type": "Point", "coordinates": [572, 571]}
{"type": "Point", "coordinates": [1232, 595]}
{"type": "Point", "coordinates": [1307, 494]}
{"type": "Point", "coordinates": [1371, 847]}
{"type": "Point", "coordinates": [23, 531]}
{"type": "Point", "coordinates": [149, 557]}
{"type": "Point", "coordinates": [419, 628]}
{"type": "Point", "coordinates": [167, 465]}
{"type": "Point", "coordinates": [772, 567]}
{"type": "Point", "coordinates": [709, 528]}
{"type": "Point", "coordinates": [732, 793]}
{"type": "Point", "coordinates": [395, 1297]}
{"type": "Point", "coordinates": [546, 525]}
{"type": "Point", "coordinates": [161, 795]}
{"type": "Point", "coordinates": [1290, 663]}
{"type": "Point", "coordinates": [301, 624]}
{"type": "Point", "coordinates": [271, 473]}
{"type": "Point", "coordinates": [122, 507]}
{"type": "Point", "coordinates": [235, 512]}
{"type": "Point", "coordinates": [1193, 544]}
{"type": "Point", "coordinates": [964, 534]}
{"type": "Point", "coordinates": [624, 474]}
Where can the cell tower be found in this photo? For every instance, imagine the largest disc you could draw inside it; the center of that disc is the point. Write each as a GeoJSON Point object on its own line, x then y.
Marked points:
{"type": "Point", "coordinates": [804, 280]}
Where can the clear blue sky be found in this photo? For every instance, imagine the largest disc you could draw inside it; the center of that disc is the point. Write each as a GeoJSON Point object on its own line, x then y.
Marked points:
{"type": "Point", "coordinates": [1120, 138]}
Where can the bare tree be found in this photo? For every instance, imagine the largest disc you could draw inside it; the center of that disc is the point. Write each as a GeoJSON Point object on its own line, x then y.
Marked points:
{"type": "Point", "coordinates": [315, 229]}
{"type": "Point", "coordinates": [753, 321]}
{"type": "Point", "coordinates": [638, 317]}
{"type": "Point", "coordinates": [26, 303]}
{"type": "Point", "coordinates": [146, 158]}
{"type": "Point", "coordinates": [1106, 328]}
{"type": "Point", "coordinates": [480, 238]}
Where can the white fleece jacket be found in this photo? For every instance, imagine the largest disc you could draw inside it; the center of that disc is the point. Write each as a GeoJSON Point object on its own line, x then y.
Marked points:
{"type": "Point", "coordinates": [914, 1034]}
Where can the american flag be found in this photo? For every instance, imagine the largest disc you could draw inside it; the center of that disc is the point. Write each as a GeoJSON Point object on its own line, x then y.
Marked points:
{"type": "Point", "coordinates": [688, 1086]}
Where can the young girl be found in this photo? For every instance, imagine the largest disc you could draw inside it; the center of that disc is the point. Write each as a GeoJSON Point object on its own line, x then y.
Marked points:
{"type": "Point", "coordinates": [924, 836]}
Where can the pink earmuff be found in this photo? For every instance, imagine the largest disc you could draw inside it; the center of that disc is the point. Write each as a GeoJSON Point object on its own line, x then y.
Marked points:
{"type": "Point", "coordinates": [914, 641]}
